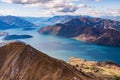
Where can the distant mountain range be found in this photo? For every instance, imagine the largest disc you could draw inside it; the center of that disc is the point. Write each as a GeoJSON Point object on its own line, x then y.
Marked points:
{"type": "Point", "coordinates": [63, 19]}
{"type": "Point", "coordinates": [66, 18]}
{"type": "Point", "coordinates": [116, 18]}
{"type": "Point", "coordinates": [85, 28]}
{"type": "Point", "coordinates": [36, 20]}
{"type": "Point", "coordinates": [41, 21]}
{"type": "Point", "coordinates": [7, 22]}
{"type": "Point", "coordinates": [88, 29]}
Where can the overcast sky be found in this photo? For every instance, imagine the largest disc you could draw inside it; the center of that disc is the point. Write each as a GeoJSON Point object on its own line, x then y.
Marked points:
{"type": "Point", "coordinates": [39, 8]}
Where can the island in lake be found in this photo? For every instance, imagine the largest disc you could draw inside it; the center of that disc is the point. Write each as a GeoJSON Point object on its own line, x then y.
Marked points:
{"type": "Point", "coordinates": [14, 36]}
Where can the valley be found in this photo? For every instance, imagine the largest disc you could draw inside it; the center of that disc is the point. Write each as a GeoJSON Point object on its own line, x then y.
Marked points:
{"type": "Point", "coordinates": [63, 41]}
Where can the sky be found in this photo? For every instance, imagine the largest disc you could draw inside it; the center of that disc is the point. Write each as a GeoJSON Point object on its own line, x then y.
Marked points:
{"type": "Point", "coordinates": [45, 8]}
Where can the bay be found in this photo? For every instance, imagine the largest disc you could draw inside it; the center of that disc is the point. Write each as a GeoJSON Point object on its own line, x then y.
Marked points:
{"type": "Point", "coordinates": [64, 48]}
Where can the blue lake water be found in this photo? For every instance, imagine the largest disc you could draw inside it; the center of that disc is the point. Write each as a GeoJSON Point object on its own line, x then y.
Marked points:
{"type": "Point", "coordinates": [64, 48]}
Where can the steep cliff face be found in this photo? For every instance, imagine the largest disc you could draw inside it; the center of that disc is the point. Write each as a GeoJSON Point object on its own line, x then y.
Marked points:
{"type": "Point", "coordinates": [19, 61]}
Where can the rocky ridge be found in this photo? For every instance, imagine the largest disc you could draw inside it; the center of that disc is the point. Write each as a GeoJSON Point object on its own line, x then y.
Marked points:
{"type": "Point", "coordinates": [19, 61]}
{"type": "Point", "coordinates": [104, 32]}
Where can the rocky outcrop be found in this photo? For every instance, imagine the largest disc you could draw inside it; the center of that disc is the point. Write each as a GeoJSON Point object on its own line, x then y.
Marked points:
{"type": "Point", "coordinates": [19, 61]}
{"type": "Point", "coordinates": [98, 70]}
{"type": "Point", "coordinates": [93, 31]}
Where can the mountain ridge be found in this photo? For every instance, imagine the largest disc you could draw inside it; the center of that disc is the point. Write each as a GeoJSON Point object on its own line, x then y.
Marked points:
{"type": "Point", "coordinates": [20, 61]}
{"type": "Point", "coordinates": [93, 32]}
{"type": "Point", "coordinates": [14, 22]}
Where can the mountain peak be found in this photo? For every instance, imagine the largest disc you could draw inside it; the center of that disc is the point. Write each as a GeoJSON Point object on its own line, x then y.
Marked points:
{"type": "Point", "coordinates": [16, 42]}
{"type": "Point", "coordinates": [19, 61]}
{"type": "Point", "coordinates": [92, 30]}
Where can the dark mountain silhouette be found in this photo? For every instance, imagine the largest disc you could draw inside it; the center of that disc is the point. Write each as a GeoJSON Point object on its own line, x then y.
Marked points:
{"type": "Point", "coordinates": [92, 30]}
{"type": "Point", "coordinates": [7, 22]}
{"type": "Point", "coordinates": [39, 21]}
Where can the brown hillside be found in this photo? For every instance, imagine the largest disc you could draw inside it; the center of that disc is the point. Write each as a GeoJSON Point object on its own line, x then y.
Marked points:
{"type": "Point", "coordinates": [19, 61]}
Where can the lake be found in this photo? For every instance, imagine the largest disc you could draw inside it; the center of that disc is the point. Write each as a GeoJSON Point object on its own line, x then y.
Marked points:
{"type": "Point", "coordinates": [64, 48]}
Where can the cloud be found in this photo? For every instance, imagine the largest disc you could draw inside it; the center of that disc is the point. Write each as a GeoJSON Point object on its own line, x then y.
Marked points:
{"type": "Point", "coordinates": [26, 1]}
{"type": "Point", "coordinates": [68, 9]}
{"type": "Point", "coordinates": [31, 2]}
{"type": "Point", "coordinates": [7, 12]}
{"type": "Point", "coordinates": [97, 13]}
{"type": "Point", "coordinates": [63, 7]}
{"type": "Point", "coordinates": [56, 5]}
{"type": "Point", "coordinates": [72, 7]}
{"type": "Point", "coordinates": [97, 0]}
{"type": "Point", "coordinates": [113, 12]}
